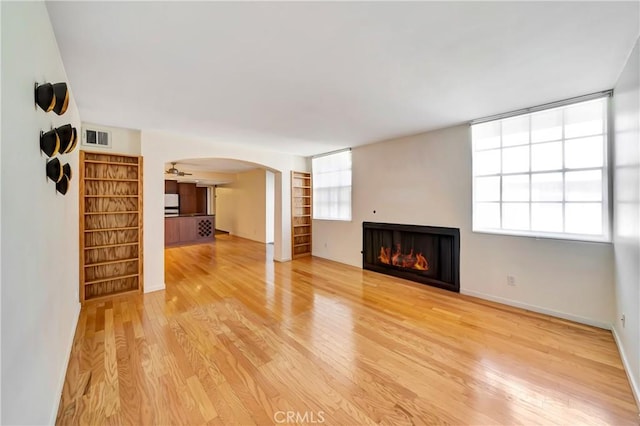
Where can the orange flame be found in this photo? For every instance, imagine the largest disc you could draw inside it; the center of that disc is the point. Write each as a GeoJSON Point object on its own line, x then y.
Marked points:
{"type": "Point", "coordinates": [409, 261]}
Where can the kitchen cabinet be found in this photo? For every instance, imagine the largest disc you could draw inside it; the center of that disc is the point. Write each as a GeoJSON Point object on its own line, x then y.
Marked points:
{"type": "Point", "coordinates": [187, 192]}
{"type": "Point", "coordinates": [170, 186]}
{"type": "Point", "coordinates": [201, 200]}
{"type": "Point", "coordinates": [190, 229]}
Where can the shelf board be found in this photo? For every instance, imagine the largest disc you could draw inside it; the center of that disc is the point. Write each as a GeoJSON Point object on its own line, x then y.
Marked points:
{"type": "Point", "coordinates": [102, 280]}
{"type": "Point", "coordinates": [301, 235]}
{"type": "Point", "coordinates": [301, 215]}
{"type": "Point", "coordinates": [111, 262]}
{"type": "Point", "coordinates": [110, 180]}
{"type": "Point", "coordinates": [112, 246]}
{"type": "Point", "coordinates": [301, 224]}
{"type": "Point", "coordinates": [302, 244]}
{"type": "Point", "coordinates": [128, 228]}
{"type": "Point", "coordinates": [110, 196]}
{"type": "Point", "coordinates": [299, 186]}
{"type": "Point", "coordinates": [122, 212]}
{"type": "Point", "coordinates": [111, 295]}
{"type": "Point", "coordinates": [114, 163]}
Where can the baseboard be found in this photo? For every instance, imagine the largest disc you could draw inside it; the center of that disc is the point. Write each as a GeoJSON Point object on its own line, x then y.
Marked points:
{"type": "Point", "coordinates": [54, 414]}
{"type": "Point", "coordinates": [538, 309]}
{"type": "Point", "coordinates": [155, 288]}
{"type": "Point", "coordinates": [635, 389]}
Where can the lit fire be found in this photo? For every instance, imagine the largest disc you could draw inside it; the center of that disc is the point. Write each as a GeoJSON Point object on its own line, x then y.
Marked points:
{"type": "Point", "coordinates": [410, 261]}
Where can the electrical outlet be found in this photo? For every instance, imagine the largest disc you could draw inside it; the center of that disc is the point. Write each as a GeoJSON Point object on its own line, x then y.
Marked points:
{"type": "Point", "coordinates": [623, 320]}
{"type": "Point", "coordinates": [511, 280]}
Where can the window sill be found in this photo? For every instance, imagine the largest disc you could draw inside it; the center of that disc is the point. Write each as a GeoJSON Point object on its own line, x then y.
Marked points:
{"type": "Point", "coordinates": [539, 236]}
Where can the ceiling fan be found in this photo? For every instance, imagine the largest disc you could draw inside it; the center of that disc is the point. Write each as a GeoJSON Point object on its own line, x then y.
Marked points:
{"type": "Point", "coordinates": [176, 172]}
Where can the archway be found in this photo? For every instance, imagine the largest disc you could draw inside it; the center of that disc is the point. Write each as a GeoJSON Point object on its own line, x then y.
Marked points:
{"type": "Point", "coordinates": [161, 148]}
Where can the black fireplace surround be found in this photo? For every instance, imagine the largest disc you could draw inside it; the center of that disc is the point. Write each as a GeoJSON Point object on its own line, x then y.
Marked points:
{"type": "Point", "coordinates": [425, 254]}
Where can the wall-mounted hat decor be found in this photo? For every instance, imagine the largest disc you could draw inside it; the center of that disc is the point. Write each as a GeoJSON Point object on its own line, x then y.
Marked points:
{"type": "Point", "coordinates": [45, 96]}
{"type": "Point", "coordinates": [50, 142]}
{"type": "Point", "coordinates": [61, 140]}
{"type": "Point", "coordinates": [62, 98]}
{"type": "Point", "coordinates": [63, 186]}
{"type": "Point", "coordinates": [66, 137]}
{"type": "Point", "coordinates": [52, 97]}
{"type": "Point", "coordinates": [74, 142]}
{"type": "Point", "coordinates": [54, 170]}
{"type": "Point", "coordinates": [66, 171]}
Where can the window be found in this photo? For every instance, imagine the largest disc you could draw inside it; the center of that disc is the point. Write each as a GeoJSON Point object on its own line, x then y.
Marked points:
{"type": "Point", "coordinates": [543, 173]}
{"type": "Point", "coordinates": [332, 186]}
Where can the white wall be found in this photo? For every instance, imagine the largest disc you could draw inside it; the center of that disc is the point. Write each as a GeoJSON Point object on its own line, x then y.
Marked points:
{"type": "Point", "coordinates": [159, 148]}
{"type": "Point", "coordinates": [225, 206]}
{"type": "Point", "coordinates": [626, 228]}
{"type": "Point", "coordinates": [39, 226]}
{"type": "Point", "coordinates": [241, 206]}
{"type": "Point", "coordinates": [426, 180]}
{"type": "Point", "coordinates": [123, 141]}
{"type": "Point", "coordinates": [270, 199]}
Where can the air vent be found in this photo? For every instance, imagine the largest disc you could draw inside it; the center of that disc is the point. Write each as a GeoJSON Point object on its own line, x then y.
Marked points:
{"type": "Point", "coordinates": [97, 138]}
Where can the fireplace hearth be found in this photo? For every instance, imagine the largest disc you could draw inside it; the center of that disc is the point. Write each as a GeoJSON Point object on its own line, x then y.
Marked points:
{"type": "Point", "coordinates": [425, 254]}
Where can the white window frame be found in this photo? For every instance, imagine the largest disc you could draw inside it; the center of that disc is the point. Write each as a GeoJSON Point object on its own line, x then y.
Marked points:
{"type": "Point", "coordinates": [607, 179]}
{"type": "Point", "coordinates": [317, 186]}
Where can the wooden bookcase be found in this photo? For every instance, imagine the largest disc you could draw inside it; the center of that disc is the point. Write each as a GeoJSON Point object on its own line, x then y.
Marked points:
{"type": "Point", "coordinates": [110, 225]}
{"type": "Point", "coordinates": [301, 210]}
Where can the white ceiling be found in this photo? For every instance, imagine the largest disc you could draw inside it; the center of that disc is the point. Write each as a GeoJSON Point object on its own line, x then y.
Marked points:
{"type": "Point", "coordinates": [307, 78]}
{"type": "Point", "coordinates": [218, 165]}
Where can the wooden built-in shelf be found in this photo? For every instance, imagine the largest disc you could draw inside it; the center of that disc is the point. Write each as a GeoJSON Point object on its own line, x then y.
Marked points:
{"type": "Point", "coordinates": [120, 212]}
{"type": "Point", "coordinates": [301, 206]}
{"type": "Point", "coordinates": [111, 179]}
{"type": "Point", "coordinates": [112, 245]}
{"type": "Point", "coordinates": [111, 196]}
{"type": "Point", "coordinates": [114, 163]}
{"type": "Point", "coordinates": [110, 225]}
{"type": "Point", "coordinates": [111, 262]}
{"type": "Point", "coordinates": [102, 280]}
{"type": "Point", "coordinates": [110, 229]}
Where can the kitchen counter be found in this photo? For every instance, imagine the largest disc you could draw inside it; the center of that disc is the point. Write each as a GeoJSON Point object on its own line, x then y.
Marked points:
{"type": "Point", "coordinates": [187, 229]}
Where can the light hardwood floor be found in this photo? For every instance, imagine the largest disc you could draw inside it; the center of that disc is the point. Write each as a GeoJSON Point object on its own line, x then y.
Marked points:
{"type": "Point", "coordinates": [238, 339]}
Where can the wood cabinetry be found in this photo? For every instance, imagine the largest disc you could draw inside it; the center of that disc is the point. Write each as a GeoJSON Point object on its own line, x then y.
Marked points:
{"type": "Point", "coordinates": [187, 192]}
{"type": "Point", "coordinates": [110, 225]}
{"type": "Point", "coordinates": [301, 210]}
{"type": "Point", "coordinates": [201, 200]}
{"type": "Point", "coordinates": [188, 230]}
{"type": "Point", "coordinates": [170, 186]}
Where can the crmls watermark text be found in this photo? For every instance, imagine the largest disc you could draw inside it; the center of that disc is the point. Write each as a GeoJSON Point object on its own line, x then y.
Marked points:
{"type": "Point", "coordinates": [307, 417]}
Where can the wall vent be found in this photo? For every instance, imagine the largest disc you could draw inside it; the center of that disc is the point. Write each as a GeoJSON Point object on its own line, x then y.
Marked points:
{"type": "Point", "coordinates": [97, 138]}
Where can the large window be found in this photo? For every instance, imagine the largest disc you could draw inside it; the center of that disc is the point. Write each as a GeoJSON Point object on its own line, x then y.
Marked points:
{"type": "Point", "coordinates": [543, 173]}
{"type": "Point", "coordinates": [332, 186]}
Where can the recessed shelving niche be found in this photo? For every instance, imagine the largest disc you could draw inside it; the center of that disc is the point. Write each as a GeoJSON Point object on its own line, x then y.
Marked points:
{"type": "Point", "coordinates": [110, 225]}
{"type": "Point", "coordinates": [301, 210]}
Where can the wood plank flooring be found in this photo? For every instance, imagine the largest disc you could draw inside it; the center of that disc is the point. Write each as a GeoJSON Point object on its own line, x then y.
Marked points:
{"type": "Point", "coordinates": [237, 339]}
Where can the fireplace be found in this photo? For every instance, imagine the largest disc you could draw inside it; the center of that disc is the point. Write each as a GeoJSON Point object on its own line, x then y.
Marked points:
{"type": "Point", "coordinates": [425, 254]}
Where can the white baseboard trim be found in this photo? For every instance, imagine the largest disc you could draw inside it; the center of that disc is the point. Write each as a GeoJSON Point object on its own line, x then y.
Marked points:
{"type": "Point", "coordinates": [625, 362]}
{"type": "Point", "coordinates": [155, 288]}
{"type": "Point", "coordinates": [538, 309]}
{"type": "Point", "coordinates": [63, 374]}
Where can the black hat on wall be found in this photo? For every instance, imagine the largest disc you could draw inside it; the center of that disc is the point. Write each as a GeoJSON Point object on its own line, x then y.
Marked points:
{"type": "Point", "coordinates": [66, 171]}
{"type": "Point", "coordinates": [52, 97]}
{"type": "Point", "coordinates": [45, 96]}
{"type": "Point", "coordinates": [50, 142]}
{"type": "Point", "coordinates": [66, 135]}
{"type": "Point", "coordinates": [63, 186]}
{"type": "Point", "coordinates": [74, 142]}
{"type": "Point", "coordinates": [54, 170]}
{"type": "Point", "coordinates": [62, 98]}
